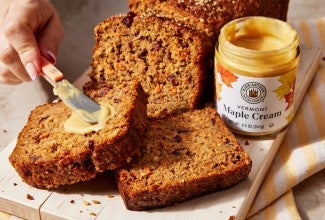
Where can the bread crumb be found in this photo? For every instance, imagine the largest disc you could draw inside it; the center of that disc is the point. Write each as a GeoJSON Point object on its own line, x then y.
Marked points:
{"type": "Point", "coordinates": [72, 201]}
{"type": "Point", "coordinates": [86, 203]}
{"type": "Point", "coordinates": [96, 202]}
{"type": "Point", "coordinates": [92, 214]}
{"type": "Point", "coordinates": [110, 196]}
{"type": "Point", "coordinates": [29, 197]}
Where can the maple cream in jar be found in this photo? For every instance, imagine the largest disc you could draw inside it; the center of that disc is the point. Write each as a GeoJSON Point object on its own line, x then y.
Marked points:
{"type": "Point", "coordinates": [256, 62]}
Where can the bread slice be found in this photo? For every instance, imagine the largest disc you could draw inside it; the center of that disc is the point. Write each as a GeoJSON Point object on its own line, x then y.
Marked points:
{"type": "Point", "coordinates": [46, 156]}
{"type": "Point", "coordinates": [169, 60]}
{"type": "Point", "coordinates": [183, 157]}
{"type": "Point", "coordinates": [209, 16]}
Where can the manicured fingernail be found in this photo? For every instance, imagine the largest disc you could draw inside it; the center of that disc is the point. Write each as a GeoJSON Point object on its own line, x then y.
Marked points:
{"type": "Point", "coordinates": [51, 56]}
{"type": "Point", "coordinates": [31, 70]}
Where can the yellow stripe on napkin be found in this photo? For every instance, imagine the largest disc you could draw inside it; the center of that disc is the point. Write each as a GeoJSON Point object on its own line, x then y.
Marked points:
{"type": "Point", "coordinates": [305, 34]}
{"type": "Point", "coordinates": [316, 100]}
{"type": "Point", "coordinates": [305, 144]}
{"type": "Point", "coordinates": [320, 23]}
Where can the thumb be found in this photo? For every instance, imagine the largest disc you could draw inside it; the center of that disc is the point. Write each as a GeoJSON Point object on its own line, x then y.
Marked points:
{"type": "Point", "coordinates": [50, 39]}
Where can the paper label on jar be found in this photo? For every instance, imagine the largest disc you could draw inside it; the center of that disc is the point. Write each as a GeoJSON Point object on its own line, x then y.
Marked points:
{"type": "Point", "coordinates": [251, 104]}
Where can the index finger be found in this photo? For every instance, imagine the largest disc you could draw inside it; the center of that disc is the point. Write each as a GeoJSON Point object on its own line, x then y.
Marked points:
{"type": "Point", "coordinates": [10, 58]}
{"type": "Point", "coordinates": [22, 38]}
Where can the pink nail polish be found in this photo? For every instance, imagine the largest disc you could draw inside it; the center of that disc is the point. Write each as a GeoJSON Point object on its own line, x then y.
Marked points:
{"type": "Point", "coordinates": [51, 56]}
{"type": "Point", "coordinates": [31, 70]}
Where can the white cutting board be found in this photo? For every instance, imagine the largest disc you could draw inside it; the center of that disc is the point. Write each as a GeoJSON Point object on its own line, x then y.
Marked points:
{"type": "Point", "coordinates": [99, 198]}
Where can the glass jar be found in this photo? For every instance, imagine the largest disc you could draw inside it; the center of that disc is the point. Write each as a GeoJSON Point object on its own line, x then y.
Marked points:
{"type": "Point", "coordinates": [256, 62]}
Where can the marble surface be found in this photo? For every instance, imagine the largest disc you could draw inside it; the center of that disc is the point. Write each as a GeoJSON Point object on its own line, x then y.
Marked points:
{"type": "Point", "coordinates": [79, 18]}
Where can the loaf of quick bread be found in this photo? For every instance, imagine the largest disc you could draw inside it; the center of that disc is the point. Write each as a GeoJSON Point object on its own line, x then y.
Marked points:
{"type": "Point", "coordinates": [47, 156]}
{"type": "Point", "coordinates": [183, 156]}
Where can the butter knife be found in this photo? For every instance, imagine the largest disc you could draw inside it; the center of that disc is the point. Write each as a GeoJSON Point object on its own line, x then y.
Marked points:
{"type": "Point", "coordinates": [69, 94]}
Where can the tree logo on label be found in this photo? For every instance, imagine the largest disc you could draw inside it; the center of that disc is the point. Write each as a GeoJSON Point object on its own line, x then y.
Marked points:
{"type": "Point", "coordinates": [253, 92]}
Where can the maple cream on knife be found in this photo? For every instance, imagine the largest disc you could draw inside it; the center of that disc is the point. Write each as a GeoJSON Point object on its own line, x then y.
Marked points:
{"type": "Point", "coordinates": [256, 62]}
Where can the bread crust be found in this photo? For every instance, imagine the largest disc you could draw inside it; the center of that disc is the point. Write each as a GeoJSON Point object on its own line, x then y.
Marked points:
{"type": "Point", "coordinates": [208, 16]}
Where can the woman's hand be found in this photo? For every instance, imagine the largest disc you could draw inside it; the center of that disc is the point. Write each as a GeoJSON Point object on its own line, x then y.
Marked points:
{"type": "Point", "coordinates": [29, 29]}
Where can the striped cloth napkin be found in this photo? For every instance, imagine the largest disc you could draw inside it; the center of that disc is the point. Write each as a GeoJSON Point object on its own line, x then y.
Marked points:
{"type": "Point", "coordinates": [302, 152]}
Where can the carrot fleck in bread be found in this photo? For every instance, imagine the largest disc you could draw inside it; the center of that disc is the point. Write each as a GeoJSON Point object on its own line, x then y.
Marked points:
{"type": "Point", "coordinates": [170, 61]}
{"type": "Point", "coordinates": [183, 156]}
{"type": "Point", "coordinates": [46, 156]}
{"type": "Point", "coordinates": [209, 16]}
